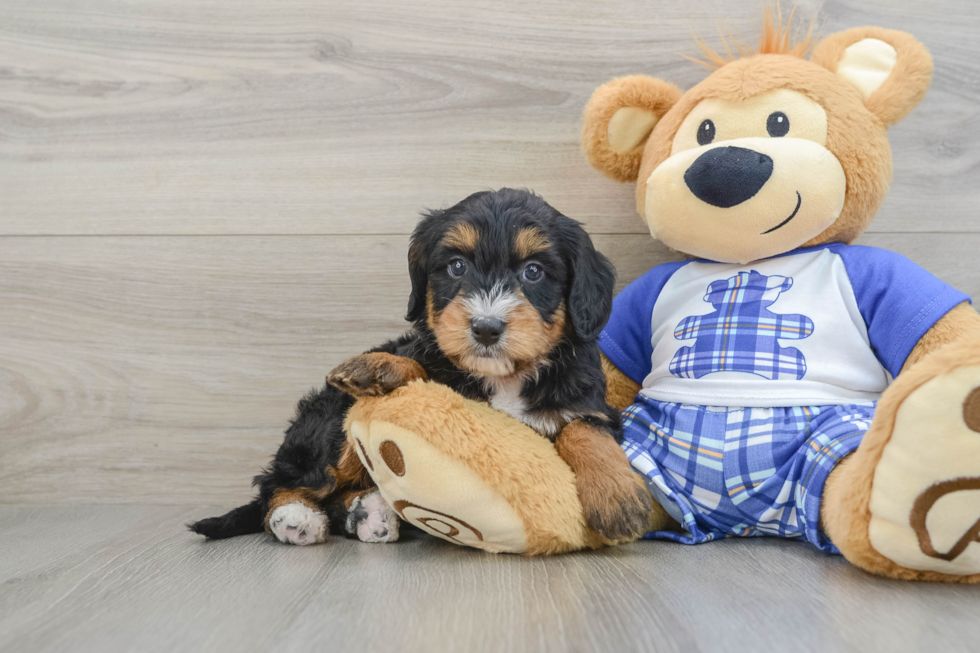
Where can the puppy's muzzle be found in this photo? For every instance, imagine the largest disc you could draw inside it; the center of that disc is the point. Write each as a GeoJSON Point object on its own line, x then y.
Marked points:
{"type": "Point", "coordinates": [487, 331]}
{"type": "Point", "coordinates": [727, 176]}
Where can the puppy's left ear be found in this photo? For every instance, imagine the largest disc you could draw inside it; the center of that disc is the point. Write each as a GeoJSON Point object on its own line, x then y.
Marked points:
{"type": "Point", "coordinates": [591, 291]}
{"type": "Point", "coordinates": [891, 69]}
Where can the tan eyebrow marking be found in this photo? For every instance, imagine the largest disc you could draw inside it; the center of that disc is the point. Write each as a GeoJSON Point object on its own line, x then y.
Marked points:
{"type": "Point", "coordinates": [530, 241]}
{"type": "Point", "coordinates": [461, 236]}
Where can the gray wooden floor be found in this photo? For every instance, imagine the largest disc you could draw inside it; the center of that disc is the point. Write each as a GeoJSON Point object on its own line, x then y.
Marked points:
{"type": "Point", "coordinates": [205, 205]}
{"type": "Point", "coordinates": [129, 578]}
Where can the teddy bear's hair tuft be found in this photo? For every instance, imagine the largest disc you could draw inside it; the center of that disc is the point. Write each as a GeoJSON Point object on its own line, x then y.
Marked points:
{"type": "Point", "coordinates": [776, 37]}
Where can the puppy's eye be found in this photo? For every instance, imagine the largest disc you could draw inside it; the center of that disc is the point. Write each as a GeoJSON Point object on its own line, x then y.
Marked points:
{"type": "Point", "coordinates": [706, 132]}
{"type": "Point", "coordinates": [457, 267]}
{"type": "Point", "coordinates": [533, 272]}
{"type": "Point", "coordinates": [778, 124]}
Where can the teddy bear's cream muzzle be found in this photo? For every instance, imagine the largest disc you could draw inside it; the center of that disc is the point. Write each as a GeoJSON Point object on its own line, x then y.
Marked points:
{"type": "Point", "coordinates": [756, 198]}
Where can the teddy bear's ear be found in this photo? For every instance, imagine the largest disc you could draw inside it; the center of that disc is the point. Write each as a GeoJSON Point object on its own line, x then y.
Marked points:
{"type": "Point", "coordinates": [891, 69]}
{"type": "Point", "coordinates": [619, 119]}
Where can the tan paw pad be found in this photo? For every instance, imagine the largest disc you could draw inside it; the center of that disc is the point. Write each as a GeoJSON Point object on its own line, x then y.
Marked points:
{"type": "Point", "coordinates": [925, 496]}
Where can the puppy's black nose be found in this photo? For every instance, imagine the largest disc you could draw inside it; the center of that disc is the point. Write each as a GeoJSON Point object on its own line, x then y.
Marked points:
{"type": "Point", "coordinates": [726, 176]}
{"type": "Point", "coordinates": [487, 331]}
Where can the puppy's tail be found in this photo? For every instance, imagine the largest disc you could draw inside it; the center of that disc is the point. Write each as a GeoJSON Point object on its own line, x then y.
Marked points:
{"type": "Point", "coordinates": [240, 521]}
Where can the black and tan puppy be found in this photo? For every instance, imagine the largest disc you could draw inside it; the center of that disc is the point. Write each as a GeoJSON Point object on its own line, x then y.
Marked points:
{"type": "Point", "coordinates": [508, 297]}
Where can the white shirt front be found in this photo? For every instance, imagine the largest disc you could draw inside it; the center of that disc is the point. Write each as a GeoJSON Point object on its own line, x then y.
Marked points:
{"type": "Point", "coordinates": [779, 332]}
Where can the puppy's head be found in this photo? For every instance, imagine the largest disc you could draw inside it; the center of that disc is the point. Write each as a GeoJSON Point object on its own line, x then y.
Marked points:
{"type": "Point", "coordinates": [502, 277]}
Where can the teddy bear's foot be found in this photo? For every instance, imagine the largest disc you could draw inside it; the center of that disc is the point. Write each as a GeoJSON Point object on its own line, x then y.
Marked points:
{"type": "Point", "coordinates": [925, 497]}
{"type": "Point", "coordinates": [372, 519]}
{"type": "Point", "coordinates": [468, 474]}
{"type": "Point", "coordinates": [374, 374]}
{"type": "Point", "coordinates": [913, 509]}
{"type": "Point", "coordinates": [297, 523]}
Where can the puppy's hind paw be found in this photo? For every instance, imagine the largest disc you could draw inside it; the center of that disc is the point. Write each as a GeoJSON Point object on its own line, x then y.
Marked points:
{"type": "Point", "coordinates": [374, 374]}
{"type": "Point", "coordinates": [372, 519]}
{"type": "Point", "coordinates": [297, 523]}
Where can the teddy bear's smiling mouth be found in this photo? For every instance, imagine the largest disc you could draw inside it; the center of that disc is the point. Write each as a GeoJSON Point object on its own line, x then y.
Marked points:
{"type": "Point", "coordinates": [799, 201]}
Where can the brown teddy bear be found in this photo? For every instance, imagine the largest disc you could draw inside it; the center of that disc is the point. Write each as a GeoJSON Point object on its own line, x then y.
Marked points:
{"type": "Point", "coordinates": [778, 382]}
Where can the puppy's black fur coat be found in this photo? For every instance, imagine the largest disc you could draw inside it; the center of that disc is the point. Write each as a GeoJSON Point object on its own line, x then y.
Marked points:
{"type": "Point", "coordinates": [569, 381]}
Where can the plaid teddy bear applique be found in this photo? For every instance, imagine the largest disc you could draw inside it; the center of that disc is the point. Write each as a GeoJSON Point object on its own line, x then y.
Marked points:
{"type": "Point", "coordinates": [742, 334]}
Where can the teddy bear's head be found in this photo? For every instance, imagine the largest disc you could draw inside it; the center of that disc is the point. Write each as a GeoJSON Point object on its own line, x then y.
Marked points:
{"type": "Point", "coordinates": [771, 151]}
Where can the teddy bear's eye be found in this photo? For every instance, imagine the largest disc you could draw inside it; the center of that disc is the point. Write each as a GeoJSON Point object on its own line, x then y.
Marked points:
{"type": "Point", "coordinates": [778, 124]}
{"type": "Point", "coordinates": [706, 132]}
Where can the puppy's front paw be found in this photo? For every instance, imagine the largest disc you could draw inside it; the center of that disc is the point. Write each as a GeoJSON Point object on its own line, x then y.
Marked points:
{"type": "Point", "coordinates": [297, 523]}
{"type": "Point", "coordinates": [615, 501]}
{"type": "Point", "coordinates": [616, 508]}
{"type": "Point", "coordinates": [374, 374]}
{"type": "Point", "coordinates": [372, 519]}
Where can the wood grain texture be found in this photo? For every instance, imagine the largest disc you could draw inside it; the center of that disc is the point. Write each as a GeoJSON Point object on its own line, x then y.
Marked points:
{"type": "Point", "coordinates": [163, 369]}
{"type": "Point", "coordinates": [204, 206]}
{"type": "Point", "coordinates": [344, 117]}
{"type": "Point", "coordinates": [131, 579]}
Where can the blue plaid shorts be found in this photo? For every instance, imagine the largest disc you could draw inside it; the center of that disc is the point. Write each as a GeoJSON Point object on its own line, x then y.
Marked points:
{"type": "Point", "coordinates": [741, 471]}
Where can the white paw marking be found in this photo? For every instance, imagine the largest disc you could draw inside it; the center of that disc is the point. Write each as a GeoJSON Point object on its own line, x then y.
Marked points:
{"type": "Point", "coordinates": [296, 523]}
{"type": "Point", "coordinates": [372, 519]}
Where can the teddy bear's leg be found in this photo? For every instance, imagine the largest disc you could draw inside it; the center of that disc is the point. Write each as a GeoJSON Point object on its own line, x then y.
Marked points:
{"type": "Point", "coordinates": [467, 473]}
{"type": "Point", "coordinates": [906, 503]}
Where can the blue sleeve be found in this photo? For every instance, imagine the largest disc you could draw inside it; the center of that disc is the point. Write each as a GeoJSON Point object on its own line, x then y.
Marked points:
{"type": "Point", "coordinates": [627, 340]}
{"type": "Point", "coordinates": [898, 300]}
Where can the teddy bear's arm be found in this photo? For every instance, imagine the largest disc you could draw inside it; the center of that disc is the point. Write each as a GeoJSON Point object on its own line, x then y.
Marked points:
{"type": "Point", "coordinates": [960, 322]}
{"type": "Point", "coordinates": [620, 389]}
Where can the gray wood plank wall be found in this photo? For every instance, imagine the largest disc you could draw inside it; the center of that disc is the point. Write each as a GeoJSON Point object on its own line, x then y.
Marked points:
{"type": "Point", "coordinates": [205, 206]}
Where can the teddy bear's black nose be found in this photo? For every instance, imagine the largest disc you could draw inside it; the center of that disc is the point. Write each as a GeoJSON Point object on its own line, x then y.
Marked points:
{"type": "Point", "coordinates": [726, 176]}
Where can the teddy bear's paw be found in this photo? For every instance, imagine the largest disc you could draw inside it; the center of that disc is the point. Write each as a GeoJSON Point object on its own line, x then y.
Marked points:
{"type": "Point", "coordinates": [372, 519]}
{"type": "Point", "coordinates": [435, 492]}
{"type": "Point", "coordinates": [374, 374]}
{"type": "Point", "coordinates": [925, 495]}
{"type": "Point", "coordinates": [297, 523]}
{"type": "Point", "coordinates": [616, 508]}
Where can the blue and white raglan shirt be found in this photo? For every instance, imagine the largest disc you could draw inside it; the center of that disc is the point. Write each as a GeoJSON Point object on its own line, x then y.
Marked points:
{"type": "Point", "coordinates": [826, 325]}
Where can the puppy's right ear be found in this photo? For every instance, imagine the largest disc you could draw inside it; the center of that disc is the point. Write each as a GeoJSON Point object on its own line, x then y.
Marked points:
{"type": "Point", "coordinates": [419, 249]}
{"type": "Point", "coordinates": [619, 119]}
